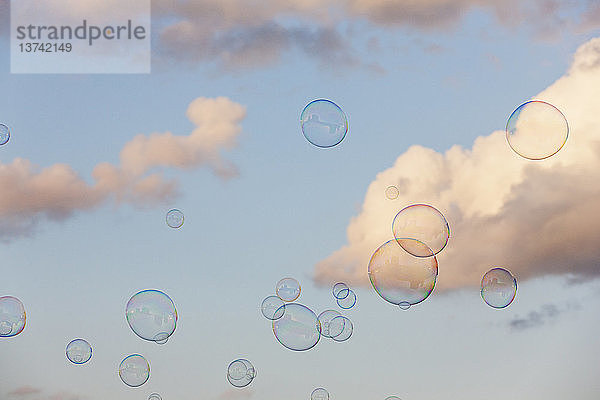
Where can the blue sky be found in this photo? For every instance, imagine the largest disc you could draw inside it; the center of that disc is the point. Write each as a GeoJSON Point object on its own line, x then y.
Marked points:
{"type": "Point", "coordinates": [287, 211]}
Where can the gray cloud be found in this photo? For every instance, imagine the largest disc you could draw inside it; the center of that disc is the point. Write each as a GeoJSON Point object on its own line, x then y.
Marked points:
{"type": "Point", "coordinates": [545, 315]}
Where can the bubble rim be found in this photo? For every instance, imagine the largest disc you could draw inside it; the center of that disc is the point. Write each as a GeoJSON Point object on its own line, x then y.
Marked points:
{"type": "Point", "coordinates": [8, 133]}
{"type": "Point", "coordinates": [346, 297]}
{"type": "Point", "coordinates": [319, 388]}
{"type": "Point", "coordinates": [345, 319]}
{"type": "Point", "coordinates": [341, 111]}
{"type": "Point", "coordinates": [333, 290]}
{"type": "Point", "coordinates": [276, 311]}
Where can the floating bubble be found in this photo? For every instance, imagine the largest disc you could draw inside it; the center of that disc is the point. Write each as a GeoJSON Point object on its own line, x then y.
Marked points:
{"type": "Point", "coordinates": [161, 338]}
{"type": "Point", "coordinates": [319, 394]}
{"type": "Point", "coordinates": [393, 398]}
{"type": "Point", "coordinates": [347, 299]}
{"type": "Point", "coordinates": [134, 370]}
{"type": "Point", "coordinates": [154, 396]}
{"type": "Point", "coordinates": [498, 288]}
{"type": "Point", "coordinates": [174, 218]}
{"type": "Point", "coordinates": [288, 289]}
{"type": "Point", "coordinates": [325, 320]}
{"type": "Point", "coordinates": [79, 351]}
{"type": "Point", "coordinates": [399, 277]}
{"type": "Point", "coordinates": [425, 224]}
{"type": "Point", "coordinates": [4, 134]}
{"type": "Point", "coordinates": [341, 329]}
{"type": "Point", "coordinates": [537, 130]}
{"type": "Point", "coordinates": [324, 124]}
{"type": "Point", "coordinates": [338, 290]}
{"type": "Point", "coordinates": [404, 305]}
{"type": "Point", "coordinates": [12, 316]}
{"type": "Point", "coordinates": [392, 192]}
{"type": "Point", "coordinates": [240, 373]}
{"type": "Point", "coordinates": [299, 328]}
{"type": "Point", "coordinates": [272, 308]}
{"type": "Point", "coordinates": [151, 315]}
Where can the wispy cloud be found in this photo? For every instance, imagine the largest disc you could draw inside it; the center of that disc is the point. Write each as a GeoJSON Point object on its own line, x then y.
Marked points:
{"type": "Point", "coordinates": [232, 394]}
{"type": "Point", "coordinates": [24, 391]}
{"type": "Point", "coordinates": [546, 314]}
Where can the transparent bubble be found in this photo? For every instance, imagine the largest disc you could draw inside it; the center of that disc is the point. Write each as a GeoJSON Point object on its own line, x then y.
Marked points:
{"type": "Point", "coordinates": [299, 328]}
{"type": "Point", "coordinates": [498, 288]}
{"type": "Point", "coordinates": [325, 320]}
{"type": "Point", "coordinates": [347, 299]}
{"type": "Point", "coordinates": [272, 308]}
{"type": "Point", "coordinates": [319, 394]}
{"type": "Point", "coordinates": [240, 373]}
{"type": "Point", "coordinates": [425, 224]}
{"type": "Point", "coordinates": [154, 396]}
{"type": "Point", "coordinates": [12, 316]}
{"type": "Point", "coordinates": [324, 124]}
{"type": "Point", "coordinates": [134, 370]}
{"type": "Point", "coordinates": [537, 130]}
{"type": "Point", "coordinates": [288, 289]}
{"type": "Point", "coordinates": [341, 329]}
{"type": "Point", "coordinates": [393, 398]}
{"type": "Point", "coordinates": [404, 305]}
{"type": "Point", "coordinates": [338, 290]}
{"type": "Point", "coordinates": [398, 276]}
{"type": "Point", "coordinates": [161, 338]}
{"type": "Point", "coordinates": [4, 134]}
{"type": "Point", "coordinates": [79, 351]}
{"type": "Point", "coordinates": [174, 218]}
{"type": "Point", "coordinates": [151, 315]}
{"type": "Point", "coordinates": [392, 192]}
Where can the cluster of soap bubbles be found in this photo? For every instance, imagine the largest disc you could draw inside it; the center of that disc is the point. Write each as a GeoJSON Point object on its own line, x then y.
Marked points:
{"type": "Point", "coordinates": [240, 373]}
{"type": "Point", "coordinates": [344, 296]}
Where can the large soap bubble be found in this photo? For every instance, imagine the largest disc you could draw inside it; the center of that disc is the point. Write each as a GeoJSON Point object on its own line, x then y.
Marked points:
{"type": "Point", "coordinates": [425, 224]}
{"type": "Point", "coordinates": [79, 351]}
{"type": "Point", "coordinates": [12, 316]}
{"type": "Point", "coordinates": [134, 370]}
{"type": "Point", "coordinates": [151, 315]}
{"type": "Point", "coordinates": [324, 124]}
{"type": "Point", "coordinates": [498, 288]}
{"type": "Point", "coordinates": [240, 373]}
{"type": "Point", "coordinates": [399, 277]}
{"type": "Point", "coordinates": [299, 328]}
{"type": "Point", "coordinates": [319, 394]}
{"type": "Point", "coordinates": [272, 308]}
{"type": "Point", "coordinates": [537, 130]}
{"type": "Point", "coordinates": [288, 289]}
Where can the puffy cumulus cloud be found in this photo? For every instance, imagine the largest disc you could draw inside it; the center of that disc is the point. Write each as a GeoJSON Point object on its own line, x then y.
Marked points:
{"type": "Point", "coordinates": [533, 217]}
{"type": "Point", "coordinates": [31, 193]}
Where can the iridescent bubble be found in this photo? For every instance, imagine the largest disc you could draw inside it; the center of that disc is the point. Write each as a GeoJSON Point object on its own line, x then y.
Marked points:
{"type": "Point", "coordinates": [174, 218]}
{"type": "Point", "coordinates": [272, 308]}
{"type": "Point", "coordinates": [425, 224]}
{"type": "Point", "coordinates": [537, 130]}
{"type": "Point", "coordinates": [79, 351]}
{"type": "Point", "coordinates": [319, 394]}
{"type": "Point", "coordinates": [325, 320]}
{"type": "Point", "coordinates": [299, 328]}
{"type": "Point", "coordinates": [4, 134]}
{"type": "Point", "coordinates": [151, 315]}
{"type": "Point", "coordinates": [404, 305]}
{"type": "Point", "coordinates": [288, 289]}
{"type": "Point", "coordinates": [341, 329]}
{"type": "Point", "coordinates": [347, 299]}
{"type": "Point", "coordinates": [399, 277]}
{"type": "Point", "coordinates": [392, 192]}
{"type": "Point", "coordinates": [240, 373]}
{"type": "Point", "coordinates": [324, 124]}
{"type": "Point", "coordinates": [498, 288]}
{"type": "Point", "coordinates": [134, 370]}
{"type": "Point", "coordinates": [154, 396]}
{"type": "Point", "coordinates": [338, 290]}
{"type": "Point", "coordinates": [12, 316]}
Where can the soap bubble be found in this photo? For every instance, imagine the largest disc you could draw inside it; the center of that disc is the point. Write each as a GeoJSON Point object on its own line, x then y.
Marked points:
{"type": "Point", "coordinates": [404, 305]}
{"type": "Point", "coordinates": [425, 224]}
{"type": "Point", "coordinates": [537, 130]}
{"type": "Point", "coordinates": [325, 320]}
{"type": "Point", "coordinates": [4, 134]}
{"type": "Point", "coordinates": [288, 289]}
{"type": "Point", "coordinates": [161, 338]}
{"type": "Point", "coordinates": [151, 315]}
{"type": "Point", "coordinates": [12, 316]}
{"type": "Point", "coordinates": [319, 394]}
{"type": "Point", "coordinates": [324, 124]}
{"type": "Point", "coordinates": [240, 373]}
{"type": "Point", "coordinates": [338, 290]}
{"type": "Point", "coordinates": [341, 329]}
{"type": "Point", "coordinates": [498, 288]}
{"type": "Point", "coordinates": [393, 398]}
{"type": "Point", "coordinates": [398, 276]}
{"type": "Point", "coordinates": [392, 192]}
{"type": "Point", "coordinates": [134, 370]}
{"type": "Point", "coordinates": [174, 218]}
{"type": "Point", "coordinates": [299, 328]}
{"type": "Point", "coordinates": [154, 396]}
{"type": "Point", "coordinates": [347, 299]}
{"type": "Point", "coordinates": [272, 308]}
{"type": "Point", "coordinates": [79, 351]}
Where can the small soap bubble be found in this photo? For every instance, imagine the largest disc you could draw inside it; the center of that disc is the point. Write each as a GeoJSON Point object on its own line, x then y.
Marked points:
{"type": "Point", "coordinates": [151, 315]}
{"type": "Point", "coordinates": [324, 124]}
{"type": "Point", "coordinates": [341, 329]}
{"type": "Point", "coordinates": [347, 299]}
{"type": "Point", "coordinates": [421, 230]}
{"type": "Point", "coordinates": [319, 394]}
{"type": "Point", "coordinates": [498, 288]}
{"type": "Point", "coordinates": [299, 328]}
{"type": "Point", "coordinates": [392, 192]}
{"type": "Point", "coordinates": [79, 351]}
{"type": "Point", "coordinates": [154, 396]}
{"type": "Point", "coordinates": [288, 289]}
{"type": "Point", "coordinates": [174, 218]}
{"type": "Point", "coordinates": [240, 373]}
{"type": "Point", "coordinates": [12, 316]}
{"type": "Point", "coordinates": [4, 134]}
{"type": "Point", "coordinates": [393, 398]}
{"type": "Point", "coordinates": [272, 308]}
{"type": "Point", "coordinates": [161, 338]}
{"type": "Point", "coordinates": [325, 321]}
{"type": "Point", "coordinates": [338, 290]}
{"type": "Point", "coordinates": [404, 305]}
{"type": "Point", "coordinates": [134, 370]}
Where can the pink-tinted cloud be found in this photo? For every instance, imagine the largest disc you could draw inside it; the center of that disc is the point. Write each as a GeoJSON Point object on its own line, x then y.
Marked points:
{"type": "Point", "coordinates": [24, 391]}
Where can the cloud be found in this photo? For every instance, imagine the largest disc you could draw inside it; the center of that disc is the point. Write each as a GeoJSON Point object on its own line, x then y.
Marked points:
{"type": "Point", "coordinates": [534, 218]}
{"type": "Point", "coordinates": [534, 319]}
{"type": "Point", "coordinates": [24, 391]}
{"type": "Point", "coordinates": [32, 194]}
{"type": "Point", "coordinates": [231, 394]}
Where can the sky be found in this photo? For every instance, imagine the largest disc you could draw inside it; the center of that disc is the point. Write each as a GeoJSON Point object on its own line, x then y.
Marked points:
{"type": "Point", "coordinates": [96, 160]}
